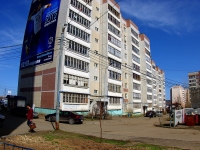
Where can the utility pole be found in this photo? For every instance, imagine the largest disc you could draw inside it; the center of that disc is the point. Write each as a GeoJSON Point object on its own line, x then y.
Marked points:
{"type": "Point", "coordinates": [106, 90]}
{"type": "Point", "coordinates": [58, 78]}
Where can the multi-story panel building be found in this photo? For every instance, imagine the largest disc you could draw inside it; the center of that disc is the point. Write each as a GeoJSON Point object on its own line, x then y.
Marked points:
{"type": "Point", "coordinates": [133, 69]}
{"type": "Point", "coordinates": [146, 73]}
{"type": "Point", "coordinates": [160, 86]}
{"type": "Point", "coordinates": [178, 95]}
{"type": "Point", "coordinates": [194, 88]}
{"type": "Point", "coordinates": [94, 58]}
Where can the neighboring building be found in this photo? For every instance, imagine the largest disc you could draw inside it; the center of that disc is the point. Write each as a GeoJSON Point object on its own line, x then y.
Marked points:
{"type": "Point", "coordinates": [179, 95]}
{"type": "Point", "coordinates": [88, 57]}
{"type": "Point", "coordinates": [194, 88]}
{"type": "Point", "coordinates": [158, 82]}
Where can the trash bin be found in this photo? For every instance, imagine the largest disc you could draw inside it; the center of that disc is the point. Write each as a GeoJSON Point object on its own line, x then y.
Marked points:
{"type": "Point", "coordinates": [190, 120]}
{"type": "Point", "coordinates": [198, 119]}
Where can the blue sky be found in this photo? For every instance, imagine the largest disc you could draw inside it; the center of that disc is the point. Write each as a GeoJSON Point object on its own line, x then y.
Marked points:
{"type": "Point", "coordinates": [171, 25]}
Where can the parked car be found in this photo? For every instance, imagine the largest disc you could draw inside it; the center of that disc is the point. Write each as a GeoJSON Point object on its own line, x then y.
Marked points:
{"type": "Point", "coordinates": [159, 113]}
{"type": "Point", "coordinates": [66, 116]}
{"type": "Point", "coordinates": [22, 111]}
{"type": "Point", "coordinates": [2, 118]}
{"type": "Point", "coordinates": [147, 114]}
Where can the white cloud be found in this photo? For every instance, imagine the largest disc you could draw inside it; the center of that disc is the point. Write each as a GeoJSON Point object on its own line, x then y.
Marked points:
{"type": "Point", "coordinates": [170, 16]}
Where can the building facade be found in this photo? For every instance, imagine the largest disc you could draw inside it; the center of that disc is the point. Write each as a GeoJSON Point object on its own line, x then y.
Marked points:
{"type": "Point", "coordinates": [99, 60]}
{"type": "Point", "coordinates": [180, 96]}
{"type": "Point", "coordinates": [194, 88]}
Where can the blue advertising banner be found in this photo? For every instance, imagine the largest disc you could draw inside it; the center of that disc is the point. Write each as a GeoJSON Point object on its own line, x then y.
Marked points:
{"type": "Point", "coordinates": [39, 37]}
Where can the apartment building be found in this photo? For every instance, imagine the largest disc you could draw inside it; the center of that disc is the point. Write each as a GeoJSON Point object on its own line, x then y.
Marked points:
{"type": "Point", "coordinates": [178, 95]}
{"type": "Point", "coordinates": [194, 88]}
{"type": "Point", "coordinates": [94, 59]}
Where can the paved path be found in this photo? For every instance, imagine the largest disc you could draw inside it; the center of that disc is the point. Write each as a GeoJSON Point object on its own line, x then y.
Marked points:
{"type": "Point", "coordinates": [133, 129]}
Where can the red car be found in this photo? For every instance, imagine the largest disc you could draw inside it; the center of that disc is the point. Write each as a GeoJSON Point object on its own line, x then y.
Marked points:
{"type": "Point", "coordinates": [66, 116]}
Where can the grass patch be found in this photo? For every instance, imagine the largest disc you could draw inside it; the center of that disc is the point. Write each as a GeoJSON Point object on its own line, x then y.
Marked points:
{"type": "Point", "coordinates": [54, 137]}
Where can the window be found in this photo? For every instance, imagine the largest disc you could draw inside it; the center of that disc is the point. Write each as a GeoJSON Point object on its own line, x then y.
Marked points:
{"type": "Point", "coordinates": [125, 56]}
{"type": "Point", "coordinates": [135, 41]}
{"type": "Point", "coordinates": [114, 88]}
{"type": "Point", "coordinates": [113, 30]}
{"type": "Point", "coordinates": [126, 95]}
{"type": "Point", "coordinates": [149, 82]}
{"type": "Point", "coordinates": [192, 76]}
{"type": "Point", "coordinates": [97, 29]}
{"type": "Point", "coordinates": [135, 58]}
{"type": "Point", "coordinates": [149, 97]}
{"type": "Point", "coordinates": [81, 7]}
{"type": "Point", "coordinates": [136, 50]}
{"type": "Point", "coordinates": [126, 76]}
{"type": "Point", "coordinates": [114, 75]}
{"type": "Point", "coordinates": [111, 9]}
{"type": "Point", "coordinates": [114, 40]}
{"type": "Point", "coordinates": [147, 52]}
{"type": "Point", "coordinates": [75, 98]}
{"type": "Point", "coordinates": [97, 8]}
{"type": "Point", "coordinates": [89, 2]}
{"type": "Point", "coordinates": [95, 91]}
{"type": "Point", "coordinates": [136, 67]}
{"type": "Point", "coordinates": [113, 20]}
{"type": "Point", "coordinates": [95, 65]}
{"type": "Point", "coordinates": [149, 89]}
{"type": "Point", "coordinates": [136, 95]}
{"type": "Point", "coordinates": [136, 76]}
{"type": "Point", "coordinates": [148, 60]}
{"type": "Point", "coordinates": [134, 33]}
{"type": "Point", "coordinates": [149, 74]}
{"type": "Point", "coordinates": [147, 45]}
{"type": "Point", "coordinates": [78, 48]}
{"type": "Point", "coordinates": [76, 63]}
{"type": "Point", "coordinates": [75, 80]}
{"type": "Point", "coordinates": [79, 19]}
{"type": "Point", "coordinates": [78, 33]}
{"type": "Point", "coordinates": [96, 40]}
{"type": "Point", "coordinates": [126, 85]}
{"type": "Point", "coordinates": [136, 86]}
{"type": "Point", "coordinates": [114, 63]}
{"type": "Point", "coordinates": [124, 29]}
{"type": "Point", "coordinates": [95, 78]}
{"type": "Point", "coordinates": [114, 51]}
{"type": "Point", "coordinates": [125, 46]}
{"type": "Point", "coordinates": [114, 100]}
{"type": "Point", "coordinates": [124, 39]}
{"type": "Point", "coordinates": [97, 18]}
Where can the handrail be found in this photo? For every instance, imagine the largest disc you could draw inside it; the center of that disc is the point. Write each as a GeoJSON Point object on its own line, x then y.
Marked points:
{"type": "Point", "coordinates": [14, 146]}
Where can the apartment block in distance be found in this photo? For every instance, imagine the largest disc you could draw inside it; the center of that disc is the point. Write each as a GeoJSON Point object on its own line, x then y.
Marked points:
{"type": "Point", "coordinates": [178, 95]}
{"type": "Point", "coordinates": [87, 57]}
{"type": "Point", "coordinates": [194, 88]}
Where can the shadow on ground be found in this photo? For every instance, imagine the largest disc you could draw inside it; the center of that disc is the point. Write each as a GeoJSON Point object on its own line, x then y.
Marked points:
{"type": "Point", "coordinates": [10, 124]}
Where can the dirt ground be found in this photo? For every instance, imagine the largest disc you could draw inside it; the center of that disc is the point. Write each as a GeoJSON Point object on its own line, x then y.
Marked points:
{"type": "Point", "coordinates": [59, 141]}
{"type": "Point", "coordinates": [142, 130]}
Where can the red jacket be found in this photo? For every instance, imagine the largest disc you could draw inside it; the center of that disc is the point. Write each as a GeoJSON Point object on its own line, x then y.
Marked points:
{"type": "Point", "coordinates": [30, 114]}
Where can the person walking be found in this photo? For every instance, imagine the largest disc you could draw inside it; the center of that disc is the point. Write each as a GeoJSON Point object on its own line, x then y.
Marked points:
{"type": "Point", "coordinates": [150, 115]}
{"type": "Point", "coordinates": [29, 116]}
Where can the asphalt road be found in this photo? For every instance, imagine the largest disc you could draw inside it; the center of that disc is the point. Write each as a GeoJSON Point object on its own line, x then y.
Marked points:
{"type": "Point", "coordinates": [134, 129]}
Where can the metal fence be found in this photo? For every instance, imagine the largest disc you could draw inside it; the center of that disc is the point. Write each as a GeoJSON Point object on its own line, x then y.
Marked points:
{"type": "Point", "coordinates": [13, 146]}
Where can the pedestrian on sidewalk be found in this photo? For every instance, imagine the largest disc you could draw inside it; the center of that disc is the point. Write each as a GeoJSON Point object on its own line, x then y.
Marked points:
{"type": "Point", "coordinates": [29, 116]}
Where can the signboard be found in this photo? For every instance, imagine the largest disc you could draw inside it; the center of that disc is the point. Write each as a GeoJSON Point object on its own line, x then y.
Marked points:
{"type": "Point", "coordinates": [39, 37]}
